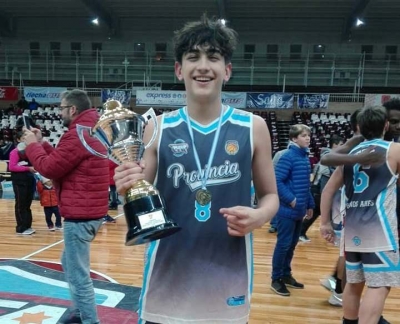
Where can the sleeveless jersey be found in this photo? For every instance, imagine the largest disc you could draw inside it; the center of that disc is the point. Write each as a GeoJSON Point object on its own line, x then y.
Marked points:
{"type": "Point", "coordinates": [201, 274]}
{"type": "Point", "coordinates": [370, 221]}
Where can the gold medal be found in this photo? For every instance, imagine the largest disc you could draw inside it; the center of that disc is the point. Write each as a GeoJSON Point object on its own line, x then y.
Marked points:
{"type": "Point", "coordinates": [203, 196]}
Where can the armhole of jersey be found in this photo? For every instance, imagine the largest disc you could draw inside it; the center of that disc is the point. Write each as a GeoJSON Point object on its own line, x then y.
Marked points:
{"type": "Point", "coordinates": [161, 128]}
{"type": "Point", "coordinates": [387, 161]}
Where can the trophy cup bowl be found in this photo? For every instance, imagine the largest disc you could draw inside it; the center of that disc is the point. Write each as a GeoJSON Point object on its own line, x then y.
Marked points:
{"type": "Point", "coordinates": [121, 132]}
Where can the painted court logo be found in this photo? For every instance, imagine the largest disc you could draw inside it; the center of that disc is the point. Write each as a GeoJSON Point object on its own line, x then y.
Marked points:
{"type": "Point", "coordinates": [179, 147]}
{"type": "Point", "coordinates": [231, 147]}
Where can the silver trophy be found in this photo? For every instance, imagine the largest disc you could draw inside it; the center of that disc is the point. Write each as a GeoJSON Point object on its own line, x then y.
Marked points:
{"type": "Point", "coordinates": [121, 131]}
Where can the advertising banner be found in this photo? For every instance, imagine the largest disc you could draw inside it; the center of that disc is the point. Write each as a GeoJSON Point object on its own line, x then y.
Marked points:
{"type": "Point", "coordinates": [234, 99]}
{"type": "Point", "coordinates": [313, 100]}
{"type": "Point", "coordinates": [160, 98]}
{"type": "Point", "coordinates": [378, 99]}
{"type": "Point", "coordinates": [43, 94]}
{"type": "Point", "coordinates": [257, 100]}
{"type": "Point", "coordinates": [9, 93]}
{"type": "Point", "coordinates": [123, 96]}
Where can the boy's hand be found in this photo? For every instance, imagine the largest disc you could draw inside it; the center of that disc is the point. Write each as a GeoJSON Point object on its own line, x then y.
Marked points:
{"type": "Point", "coordinates": [127, 174]}
{"type": "Point", "coordinates": [309, 214]}
{"type": "Point", "coordinates": [241, 220]}
{"type": "Point", "coordinates": [327, 232]}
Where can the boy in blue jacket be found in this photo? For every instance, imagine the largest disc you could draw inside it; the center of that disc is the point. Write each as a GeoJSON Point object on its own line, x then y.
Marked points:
{"type": "Point", "coordinates": [293, 181]}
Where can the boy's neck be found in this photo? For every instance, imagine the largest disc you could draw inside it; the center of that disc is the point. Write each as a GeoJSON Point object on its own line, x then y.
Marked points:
{"type": "Point", "coordinates": [204, 113]}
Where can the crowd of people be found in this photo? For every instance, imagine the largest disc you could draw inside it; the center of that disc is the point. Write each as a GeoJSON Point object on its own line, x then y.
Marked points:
{"type": "Point", "coordinates": [203, 273]}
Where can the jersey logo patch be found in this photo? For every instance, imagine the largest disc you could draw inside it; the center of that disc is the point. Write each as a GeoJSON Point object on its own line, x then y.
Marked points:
{"type": "Point", "coordinates": [231, 147]}
{"type": "Point", "coordinates": [179, 148]}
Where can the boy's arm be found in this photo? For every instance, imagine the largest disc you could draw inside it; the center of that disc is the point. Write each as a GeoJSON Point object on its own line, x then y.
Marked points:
{"type": "Point", "coordinates": [340, 156]}
{"type": "Point", "coordinates": [282, 172]}
{"type": "Point", "coordinates": [333, 185]}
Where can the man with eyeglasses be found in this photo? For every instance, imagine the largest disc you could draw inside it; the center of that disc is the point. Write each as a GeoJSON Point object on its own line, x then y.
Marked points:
{"type": "Point", "coordinates": [81, 181]}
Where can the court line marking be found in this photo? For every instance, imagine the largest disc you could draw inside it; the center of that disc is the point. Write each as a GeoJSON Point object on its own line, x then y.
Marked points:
{"type": "Point", "coordinates": [51, 245]}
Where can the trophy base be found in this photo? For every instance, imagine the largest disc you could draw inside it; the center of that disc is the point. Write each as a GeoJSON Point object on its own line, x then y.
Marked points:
{"type": "Point", "coordinates": [147, 220]}
{"type": "Point", "coordinates": [151, 234]}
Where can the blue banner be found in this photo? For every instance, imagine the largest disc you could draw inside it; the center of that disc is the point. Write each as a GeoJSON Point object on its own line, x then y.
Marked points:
{"type": "Point", "coordinates": [313, 100]}
{"type": "Point", "coordinates": [269, 100]}
{"type": "Point", "coordinates": [123, 96]}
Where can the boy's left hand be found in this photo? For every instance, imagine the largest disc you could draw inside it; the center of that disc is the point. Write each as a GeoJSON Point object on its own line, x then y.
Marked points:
{"type": "Point", "coordinates": [241, 220]}
{"type": "Point", "coordinates": [309, 214]}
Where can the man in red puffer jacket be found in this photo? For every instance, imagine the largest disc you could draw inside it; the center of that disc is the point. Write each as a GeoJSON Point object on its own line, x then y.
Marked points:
{"type": "Point", "coordinates": [81, 181]}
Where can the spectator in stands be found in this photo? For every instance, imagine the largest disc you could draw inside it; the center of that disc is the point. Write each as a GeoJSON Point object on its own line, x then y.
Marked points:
{"type": "Point", "coordinates": [33, 105]}
{"type": "Point", "coordinates": [320, 177]}
{"type": "Point", "coordinates": [23, 183]}
{"type": "Point", "coordinates": [293, 180]}
{"type": "Point", "coordinates": [22, 103]}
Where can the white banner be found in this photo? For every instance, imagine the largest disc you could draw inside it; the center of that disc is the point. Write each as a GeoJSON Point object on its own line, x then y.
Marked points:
{"type": "Point", "coordinates": [178, 98]}
{"type": "Point", "coordinates": [134, 89]}
{"type": "Point", "coordinates": [234, 99]}
{"type": "Point", "coordinates": [160, 98]}
{"type": "Point", "coordinates": [43, 94]}
{"type": "Point", "coordinates": [378, 99]}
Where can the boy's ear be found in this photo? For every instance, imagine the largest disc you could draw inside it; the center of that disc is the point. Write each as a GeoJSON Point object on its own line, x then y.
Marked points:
{"type": "Point", "coordinates": [178, 71]}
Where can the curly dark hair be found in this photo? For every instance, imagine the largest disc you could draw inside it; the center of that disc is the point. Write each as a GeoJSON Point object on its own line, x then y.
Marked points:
{"type": "Point", "coordinates": [209, 32]}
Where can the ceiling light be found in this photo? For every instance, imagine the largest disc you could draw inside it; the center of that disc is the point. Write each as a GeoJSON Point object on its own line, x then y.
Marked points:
{"type": "Point", "coordinates": [359, 22]}
{"type": "Point", "coordinates": [223, 21]}
{"type": "Point", "coordinates": [95, 21]}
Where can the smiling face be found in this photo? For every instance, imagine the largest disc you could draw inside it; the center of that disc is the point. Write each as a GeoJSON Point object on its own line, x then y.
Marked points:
{"type": "Point", "coordinates": [203, 71]}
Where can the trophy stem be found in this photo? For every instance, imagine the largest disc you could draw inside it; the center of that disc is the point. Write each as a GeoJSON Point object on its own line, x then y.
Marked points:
{"type": "Point", "coordinates": [140, 189]}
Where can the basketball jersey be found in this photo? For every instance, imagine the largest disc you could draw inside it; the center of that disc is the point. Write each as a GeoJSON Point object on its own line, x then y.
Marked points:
{"type": "Point", "coordinates": [201, 274]}
{"type": "Point", "coordinates": [370, 221]}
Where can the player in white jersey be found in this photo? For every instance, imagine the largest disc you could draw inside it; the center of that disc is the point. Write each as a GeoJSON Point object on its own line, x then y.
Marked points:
{"type": "Point", "coordinates": [370, 225]}
{"type": "Point", "coordinates": [203, 52]}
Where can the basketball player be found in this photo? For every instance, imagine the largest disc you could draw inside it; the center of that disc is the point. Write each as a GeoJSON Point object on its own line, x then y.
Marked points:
{"type": "Point", "coordinates": [203, 274]}
{"type": "Point", "coordinates": [370, 231]}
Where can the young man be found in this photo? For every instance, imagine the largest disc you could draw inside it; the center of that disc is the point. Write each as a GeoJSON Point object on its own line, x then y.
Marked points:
{"type": "Point", "coordinates": [370, 233]}
{"type": "Point", "coordinates": [293, 181]}
{"type": "Point", "coordinates": [81, 181]}
{"type": "Point", "coordinates": [203, 274]}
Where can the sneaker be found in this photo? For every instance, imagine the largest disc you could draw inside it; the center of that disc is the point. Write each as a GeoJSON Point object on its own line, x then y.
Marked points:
{"type": "Point", "coordinates": [329, 283]}
{"type": "Point", "coordinates": [335, 299]}
{"type": "Point", "coordinates": [29, 231]}
{"type": "Point", "coordinates": [304, 238]}
{"type": "Point", "coordinates": [51, 228]}
{"type": "Point", "coordinates": [59, 228]}
{"type": "Point", "coordinates": [291, 282]}
{"type": "Point", "coordinates": [70, 317]}
{"type": "Point", "coordinates": [279, 287]}
{"type": "Point", "coordinates": [382, 320]}
{"type": "Point", "coordinates": [108, 219]}
{"type": "Point", "coordinates": [272, 229]}
{"type": "Point", "coordinates": [111, 207]}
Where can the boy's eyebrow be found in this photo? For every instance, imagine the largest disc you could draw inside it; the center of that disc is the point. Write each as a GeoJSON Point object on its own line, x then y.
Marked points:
{"type": "Point", "coordinates": [208, 51]}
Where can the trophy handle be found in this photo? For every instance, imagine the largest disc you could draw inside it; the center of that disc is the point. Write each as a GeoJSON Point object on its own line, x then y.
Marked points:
{"type": "Point", "coordinates": [80, 129]}
{"type": "Point", "coordinates": [150, 113]}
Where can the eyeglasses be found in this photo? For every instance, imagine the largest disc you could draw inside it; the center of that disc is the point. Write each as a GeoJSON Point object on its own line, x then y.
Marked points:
{"type": "Point", "coordinates": [64, 107]}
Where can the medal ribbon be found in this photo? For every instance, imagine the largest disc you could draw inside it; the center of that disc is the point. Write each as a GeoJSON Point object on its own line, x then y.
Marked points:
{"type": "Point", "coordinates": [213, 148]}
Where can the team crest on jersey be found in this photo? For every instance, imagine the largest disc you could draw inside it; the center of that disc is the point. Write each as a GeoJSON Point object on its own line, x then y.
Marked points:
{"type": "Point", "coordinates": [179, 148]}
{"type": "Point", "coordinates": [231, 147]}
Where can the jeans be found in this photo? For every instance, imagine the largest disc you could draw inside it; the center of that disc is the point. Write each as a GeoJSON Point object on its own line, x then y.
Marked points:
{"type": "Point", "coordinates": [76, 264]}
{"type": "Point", "coordinates": [287, 238]}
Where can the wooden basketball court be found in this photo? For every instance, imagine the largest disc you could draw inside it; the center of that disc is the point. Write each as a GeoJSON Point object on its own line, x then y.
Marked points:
{"type": "Point", "coordinates": [313, 261]}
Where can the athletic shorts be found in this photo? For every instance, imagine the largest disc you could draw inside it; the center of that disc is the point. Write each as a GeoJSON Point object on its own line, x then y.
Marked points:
{"type": "Point", "coordinates": [377, 269]}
